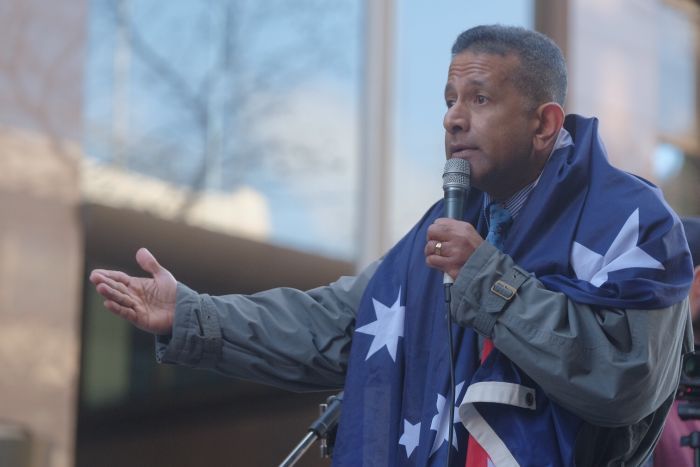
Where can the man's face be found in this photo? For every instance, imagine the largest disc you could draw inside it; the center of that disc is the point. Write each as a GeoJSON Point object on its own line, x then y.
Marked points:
{"type": "Point", "coordinates": [488, 123]}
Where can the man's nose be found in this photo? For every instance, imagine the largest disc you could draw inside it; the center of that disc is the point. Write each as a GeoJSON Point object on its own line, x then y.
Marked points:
{"type": "Point", "coordinates": [456, 118]}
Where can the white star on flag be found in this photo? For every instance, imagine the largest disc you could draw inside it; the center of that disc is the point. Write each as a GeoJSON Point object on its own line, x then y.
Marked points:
{"type": "Point", "coordinates": [622, 254]}
{"type": "Point", "coordinates": [387, 328]}
{"type": "Point", "coordinates": [409, 438]}
{"type": "Point", "coordinates": [440, 422]}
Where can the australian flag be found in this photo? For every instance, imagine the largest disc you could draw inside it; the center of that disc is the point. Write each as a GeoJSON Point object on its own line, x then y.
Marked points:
{"type": "Point", "coordinates": [599, 235]}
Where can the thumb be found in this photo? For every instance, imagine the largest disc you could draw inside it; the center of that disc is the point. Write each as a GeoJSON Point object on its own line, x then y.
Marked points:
{"type": "Point", "coordinates": [148, 262]}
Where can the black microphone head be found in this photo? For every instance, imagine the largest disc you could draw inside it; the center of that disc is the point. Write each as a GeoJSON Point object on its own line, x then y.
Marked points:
{"type": "Point", "coordinates": [456, 174]}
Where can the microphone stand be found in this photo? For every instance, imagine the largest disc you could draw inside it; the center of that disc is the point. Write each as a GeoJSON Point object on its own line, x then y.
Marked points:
{"type": "Point", "coordinates": [320, 428]}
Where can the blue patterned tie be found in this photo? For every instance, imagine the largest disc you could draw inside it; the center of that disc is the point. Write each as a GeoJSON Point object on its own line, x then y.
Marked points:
{"type": "Point", "coordinates": [499, 222]}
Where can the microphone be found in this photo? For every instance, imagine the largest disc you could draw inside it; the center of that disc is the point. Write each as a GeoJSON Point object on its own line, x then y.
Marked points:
{"type": "Point", "coordinates": [455, 185]}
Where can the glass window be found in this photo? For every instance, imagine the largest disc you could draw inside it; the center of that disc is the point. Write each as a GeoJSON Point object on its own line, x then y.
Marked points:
{"type": "Point", "coordinates": [227, 98]}
{"type": "Point", "coordinates": [677, 157]}
{"type": "Point", "coordinates": [210, 99]}
{"type": "Point", "coordinates": [677, 111]}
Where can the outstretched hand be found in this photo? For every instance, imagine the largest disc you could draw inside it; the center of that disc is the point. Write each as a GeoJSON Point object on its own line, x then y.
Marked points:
{"type": "Point", "coordinates": [147, 302]}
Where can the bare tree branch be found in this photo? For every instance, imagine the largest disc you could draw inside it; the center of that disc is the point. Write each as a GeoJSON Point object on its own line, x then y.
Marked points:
{"type": "Point", "coordinates": [224, 102]}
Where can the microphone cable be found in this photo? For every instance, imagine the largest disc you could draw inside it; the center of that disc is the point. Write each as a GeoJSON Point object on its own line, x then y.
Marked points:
{"type": "Point", "coordinates": [451, 393]}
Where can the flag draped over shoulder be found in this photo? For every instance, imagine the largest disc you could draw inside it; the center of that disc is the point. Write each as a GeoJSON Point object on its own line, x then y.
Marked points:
{"type": "Point", "coordinates": [600, 235]}
{"type": "Point", "coordinates": [597, 234]}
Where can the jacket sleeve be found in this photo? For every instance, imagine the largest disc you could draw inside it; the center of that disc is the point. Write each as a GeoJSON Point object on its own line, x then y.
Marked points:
{"type": "Point", "coordinates": [611, 367]}
{"type": "Point", "coordinates": [284, 337]}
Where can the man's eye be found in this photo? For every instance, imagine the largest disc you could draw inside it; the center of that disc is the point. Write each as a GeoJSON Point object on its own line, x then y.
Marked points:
{"type": "Point", "coordinates": [449, 103]}
{"type": "Point", "coordinates": [480, 99]}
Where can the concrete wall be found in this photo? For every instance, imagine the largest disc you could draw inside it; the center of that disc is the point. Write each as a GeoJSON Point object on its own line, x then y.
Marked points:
{"type": "Point", "coordinates": [40, 289]}
{"type": "Point", "coordinates": [40, 234]}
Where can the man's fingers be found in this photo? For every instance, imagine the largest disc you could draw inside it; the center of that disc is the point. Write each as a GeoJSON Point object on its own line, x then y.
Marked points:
{"type": "Point", "coordinates": [118, 286]}
{"type": "Point", "coordinates": [99, 275]}
{"type": "Point", "coordinates": [95, 276]}
{"type": "Point", "coordinates": [431, 248]}
{"type": "Point", "coordinates": [147, 261]}
{"type": "Point", "coordinates": [441, 263]}
{"type": "Point", "coordinates": [114, 295]}
{"type": "Point", "coordinates": [435, 261]}
{"type": "Point", "coordinates": [445, 227]}
{"type": "Point", "coordinates": [438, 232]}
{"type": "Point", "coordinates": [116, 292]}
{"type": "Point", "coordinates": [126, 313]}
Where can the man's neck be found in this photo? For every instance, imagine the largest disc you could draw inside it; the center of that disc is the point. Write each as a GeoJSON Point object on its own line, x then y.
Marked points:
{"type": "Point", "coordinates": [515, 202]}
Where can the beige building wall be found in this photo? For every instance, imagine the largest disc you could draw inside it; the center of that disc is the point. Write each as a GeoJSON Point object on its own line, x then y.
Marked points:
{"type": "Point", "coordinates": [41, 67]}
{"type": "Point", "coordinates": [40, 272]}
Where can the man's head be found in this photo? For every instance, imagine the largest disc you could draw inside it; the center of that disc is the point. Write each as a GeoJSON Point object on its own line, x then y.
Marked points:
{"type": "Point", "coordinates": [692, 233]}
{"type": "Point", "coordinates": [541, 75]}
{"type": "Point", "coordinates": [505, 91]}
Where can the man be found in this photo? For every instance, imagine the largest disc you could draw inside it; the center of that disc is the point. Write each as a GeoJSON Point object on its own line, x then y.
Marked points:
{"type": "Point", "coordinates": [669, 450]}
{"type": "Point", "coordinates": [584, 269]}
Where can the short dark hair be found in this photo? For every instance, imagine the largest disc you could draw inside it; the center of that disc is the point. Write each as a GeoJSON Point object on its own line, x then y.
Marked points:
{"type": "Point", "coordinates": [691, 225]}
{"type": "Point", "coordinates": [542, 74]}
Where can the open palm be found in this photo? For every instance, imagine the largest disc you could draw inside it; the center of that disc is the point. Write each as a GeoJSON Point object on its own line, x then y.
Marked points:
{"type": "Point", "coordinates": [147, 302]}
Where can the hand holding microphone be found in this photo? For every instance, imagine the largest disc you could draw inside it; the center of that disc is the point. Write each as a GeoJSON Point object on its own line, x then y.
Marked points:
{"type": "Point", "coordinates": [451, 241]}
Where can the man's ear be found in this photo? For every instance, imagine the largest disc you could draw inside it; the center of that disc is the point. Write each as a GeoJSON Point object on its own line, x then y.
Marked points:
{"type": "Point", "coordinates": [550, 118]}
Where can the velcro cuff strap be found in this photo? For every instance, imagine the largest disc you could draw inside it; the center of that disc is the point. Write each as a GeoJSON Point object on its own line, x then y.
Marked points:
{"type": "Point", "coordinates": [501, 292]}
{"type": "Point", "coordinates": [211, 334]}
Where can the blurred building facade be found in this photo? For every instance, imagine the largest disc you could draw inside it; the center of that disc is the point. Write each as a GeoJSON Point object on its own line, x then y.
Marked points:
{"type": "Point", "coordinates": [41, 239]}
{"type": "Point", "coordinates": [91, 169]}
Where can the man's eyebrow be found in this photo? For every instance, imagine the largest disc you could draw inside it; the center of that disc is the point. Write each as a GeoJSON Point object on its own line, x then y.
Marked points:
{"type": "Point", "coordinates": [472, 82]}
